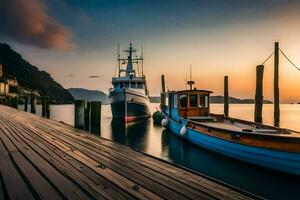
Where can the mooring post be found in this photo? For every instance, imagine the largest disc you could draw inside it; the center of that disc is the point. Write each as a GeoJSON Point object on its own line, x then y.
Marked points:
{"type": "Point", "coordinates": [79, 114]}
{"type": "Point", "coordinates": [226, 97]}
{"type": "Point", "coordinates": [163, 90]}
{"type": "Point", "coordinates": [87, 113]}
{"type": "Point", "coordinates": [12, 102]}
{"type": "Point", "coordinates": [259, 94]}
{"type": "Point", "coordinates": [8, 101]}
{"type": "Point", "coordinates": [25, 103]}
{"type": "Point", "coordinates": [15, 102]}
{"type": "Point", "coordinates": [276, 85]}
{"type": "Point", "coordinates": [163, 84]}
{"type": "Point", "coordinates": [43, 106]}
{"type": "Point", "coordinates": [48, 104]}
{"type": "Point", "coordinates": [33, 104]}
{"type": "Point", "coordinates": [95, 117]}
{"type": "Point", "coordinates": [5, 101]}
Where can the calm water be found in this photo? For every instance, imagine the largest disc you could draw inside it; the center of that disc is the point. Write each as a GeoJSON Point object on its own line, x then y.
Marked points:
{"type": "Point", "coordinates": [158, 142]}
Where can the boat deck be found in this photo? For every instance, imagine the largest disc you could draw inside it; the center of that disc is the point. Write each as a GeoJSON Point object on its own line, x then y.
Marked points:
{"type": "Point", "coordinates": [241, 127]}
{"type": "Point", "coordinates": [45, 159]}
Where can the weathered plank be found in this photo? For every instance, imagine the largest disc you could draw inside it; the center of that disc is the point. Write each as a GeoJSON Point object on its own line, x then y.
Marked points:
{"type": "Point", "coordinates": [98, 187]}
{"type": "Point", "coordinates": [128, 168]}
{"type": "Point", "coordinates": [11, 180]}
{"type": "Point", "coordinates": [164, 168]}
{"type": "Point", "coordinates": [61, 184]}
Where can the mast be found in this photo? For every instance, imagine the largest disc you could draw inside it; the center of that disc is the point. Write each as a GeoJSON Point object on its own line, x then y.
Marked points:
{"type": "Point", "coordinates": [129, 67]}
{"type": "Point", "coordinates": [129, 61]}
{"type": "Point", "coordinates": [119, 65]}
{"type": "Point", "coordinates": [191, 82]}
{"type": "Point", "coordinates": [142, 57]}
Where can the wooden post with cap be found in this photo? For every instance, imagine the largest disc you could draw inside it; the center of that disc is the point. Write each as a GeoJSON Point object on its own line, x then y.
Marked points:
{"type": "Point", "coordinates": [163, 90]}
{"type": "Point", "coordinates": [226, 97]}
{"type": "Point", "coordinates": [276, 85]}
{"type": "Point", "coordinates": [259, 94]}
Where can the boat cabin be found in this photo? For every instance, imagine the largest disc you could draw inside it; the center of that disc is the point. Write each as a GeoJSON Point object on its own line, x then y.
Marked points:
{"type": "Point", "coordinates": [193, 104]}
{"type": "Point", "coordinates": [132, 84]}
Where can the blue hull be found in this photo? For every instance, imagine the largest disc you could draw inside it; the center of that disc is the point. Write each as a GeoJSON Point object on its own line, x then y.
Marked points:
{"type": "Point", "coordinates": [283, 161]}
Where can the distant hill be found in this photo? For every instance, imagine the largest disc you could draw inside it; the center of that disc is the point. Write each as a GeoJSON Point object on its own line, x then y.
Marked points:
{"type": "Point", "coordinates": [31, 77]}
{"type": "Point", "coordinates": [220, 99]}
{"type": "Point", "coordinates": [233, 100]}
{"type": "Point", "coordinates": [88, 95]}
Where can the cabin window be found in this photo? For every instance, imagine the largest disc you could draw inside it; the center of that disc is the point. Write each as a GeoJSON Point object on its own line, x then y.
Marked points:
{"type": "Point", "coordinates": [140, 85]}
{"type": "Point", "coordinates": [193, 100]}
{"type": "Point", "coordinates": [166, 100]}
{"type": "Point", "coordinates": [203, 101]}
{"type": "Point", "coordinates": [126, 84]}
{"type": "Point", "coordinates": [175, 100]}
{"type": "Point", "coordinates": [183, 100]}
{"type": "Point", "coordinates": [133, 85]}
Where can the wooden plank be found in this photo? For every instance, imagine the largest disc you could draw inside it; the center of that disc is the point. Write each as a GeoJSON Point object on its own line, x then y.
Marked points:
{"type": "Point", "coordinates": [35, 181]}
{"type": "Point", "coordinates": [11, 180]}
{"type": "Point", "coordinates": [162, 167]}
{"type": "Point", "coordinates": [97, 148]}
{"type": "Point", "coordinates": [3, 194]}
{"type": "Point", "coordinates": [116, 178]}
{"type": "Point", "coordinates": [133, 170]}
{"type": "Point", "coordinates": [111, 175]}
{"type": "Point", "coordinates": [75, 170]}
{"type": "Point", "coordinates": [57, 180]}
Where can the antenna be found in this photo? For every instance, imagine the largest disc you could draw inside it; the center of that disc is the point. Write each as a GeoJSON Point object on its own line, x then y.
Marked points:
{"type": "Point", "coordinates": [142, 52]}
{"type": "Point", "coordinates": [190, 71]}
{"type": "Point", "coordinates": [191, 82]}
{"type": "Point", "coordinates": [119, 57]}
{"type": "Point", "coordinates": [186, 79]}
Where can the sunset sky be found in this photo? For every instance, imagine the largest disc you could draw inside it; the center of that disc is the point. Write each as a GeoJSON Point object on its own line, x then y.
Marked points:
{"type": "Point", "coordinates": [76, 41]}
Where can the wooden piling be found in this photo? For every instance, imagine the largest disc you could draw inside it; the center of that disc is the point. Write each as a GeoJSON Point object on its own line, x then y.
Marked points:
{"type": "Point", "coordinates": [259, 94]}
{"type": "Point", "coordinates": [5, 101]}
{"type": "Point", "coordinates": [26, 103]}
{"type": "Point", "coordinates": [87, 113]}
{"type": "Point", "coordinates": [163, 90]}
{"type": "Point", "coordinates": [79, 114]}
{"type": "Point", "coordinates": [8, 101]}
{"type": "Point", "coordinates": [226, 97]}
{"type": "Point", "coordinates": [14, 103]}
{"type": "Point", "coordinates": [95, 117]}
{"type": "Point", "coordinates": [276, 85]}
{"type": "Point", "coordinates": [163, 84]}
{"type": "Point", "coordinates": [48, 104]}
{"type": "Point", "coordinates": [44, 106]}
{"type": "Point", "coordinates": [33, 104]}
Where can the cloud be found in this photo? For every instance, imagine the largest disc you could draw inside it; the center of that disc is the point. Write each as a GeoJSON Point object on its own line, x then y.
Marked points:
{"type": "Point", "coordinates": [28, 22]}
{"type": "Point", "coordinates": [94, 76]}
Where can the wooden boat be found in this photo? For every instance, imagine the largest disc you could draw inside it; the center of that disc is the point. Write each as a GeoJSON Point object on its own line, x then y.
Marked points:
{"type": "Point", "coordinates": [187, 114]}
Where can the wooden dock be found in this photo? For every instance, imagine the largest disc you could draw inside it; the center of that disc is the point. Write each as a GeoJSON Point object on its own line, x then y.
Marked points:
{"type": "Point", "coordinates": [45, 159]}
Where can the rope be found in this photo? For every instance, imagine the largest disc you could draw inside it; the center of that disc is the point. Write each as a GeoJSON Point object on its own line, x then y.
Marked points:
{"type": "Point", "coordinates": [268, 58]}
{"type": "Point", "coordinates": [298, 68]}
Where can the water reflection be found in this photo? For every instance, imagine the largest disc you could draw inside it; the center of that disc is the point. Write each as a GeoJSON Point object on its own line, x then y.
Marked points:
{"type": "Point", "coordinates": [132, 134]}
{"type": "Point", "coordinates": [260, 181]}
